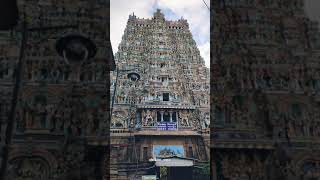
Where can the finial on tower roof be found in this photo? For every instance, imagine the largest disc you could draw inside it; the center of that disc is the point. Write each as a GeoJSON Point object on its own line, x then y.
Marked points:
{"type": "Point", "coordinates": [158, 15]}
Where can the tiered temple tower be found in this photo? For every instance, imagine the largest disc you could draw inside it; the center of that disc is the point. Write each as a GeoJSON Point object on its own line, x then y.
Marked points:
{"type": "Point", "coordinates": [265, 91]}
{"type": "Point", "coordinates": [169, 105]}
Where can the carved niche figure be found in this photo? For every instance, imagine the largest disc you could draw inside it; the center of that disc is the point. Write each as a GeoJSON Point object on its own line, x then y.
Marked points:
{"type": "Point", "coordinates": [206, 118]}
{"type": "Point", "coordinates": [90, 122]}
{"type": "Point", "coordinates": [184, 118]}
{"type": "Point", "coordinates": [148, 118]}
{"type": "Point", "coordinates": [276, 121]}
{"type": "Point", "coordinates": [28, 169]}
{"type": "Point", "coordinates": [299, 127]}
{"type": "Point", "coordinates": [36, 115]}
{"type": "Point", "coordinates": [196, 119]}
{"type": "Point", "coordinates": [290, 126]}
{"type": "Point", "coordinates": [57, 122]}
{"type": "Point", "coordinates": [118, 120]}
{"type": "Point", "coordinates": [50, 112]}
{"type": "Point", "coordinates": [306, 127]}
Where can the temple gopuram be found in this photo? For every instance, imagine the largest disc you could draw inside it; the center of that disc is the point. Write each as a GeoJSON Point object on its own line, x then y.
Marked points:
{"type": "Point", "coordinates": [264, 91]}
{"type": "Point", "coordinates": [160, 102]}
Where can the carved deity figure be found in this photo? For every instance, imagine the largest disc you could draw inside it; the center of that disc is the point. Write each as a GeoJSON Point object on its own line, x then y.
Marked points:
{"type": "Point", "coordinates": [36, 116]}
{"type": "Point", "coordinates": [148, 118]}
{"type": "Point", "coordinates": [184, 118]}
{"type": "Point", "coordinates": [290, 125]}
{"type": "Point", "coordinates": [206, 118]}
{"type": "Point", "coordinates": [276, 120]}
{"type": "Point", "coordinates": [118, 120]}
{"type": "Point", "coordinates": [28, 169]}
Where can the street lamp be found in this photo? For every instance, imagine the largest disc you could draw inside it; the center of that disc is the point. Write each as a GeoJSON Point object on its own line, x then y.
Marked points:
{"type": "Point", "coordinates": [8, 14]}
{"type": "Point", "coordinates": [75, 50]}
{"type": "Point", "coordinates": [133, 76]}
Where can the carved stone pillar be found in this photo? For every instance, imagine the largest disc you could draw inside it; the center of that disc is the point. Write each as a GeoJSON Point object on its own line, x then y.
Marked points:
{"type": "Point", "coordinates": [177, 117]}
{"type": "Point", "coordinates": [170, 116]}
{"type": "Point", "coordinates": [161, 112]}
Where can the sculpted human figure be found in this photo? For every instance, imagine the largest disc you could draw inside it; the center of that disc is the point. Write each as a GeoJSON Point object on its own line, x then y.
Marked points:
{"type": "Point", "coordinates": [184, 118]}
{"type": "Point", "coordinates": [291, 131]}
{"type": "Point", "coordinates": [275, 121]}
{"type": "Point", "coordinates": [148, 118]}
{"type": "Point", "coordinates": [299, 127]}
{"type": "Point", "coordinates": [90, 125]}
{"type": "Point", "coordinates": [57, 120]}
{"type": "Point", "coordinates": [306, 126]}
{"type": "Point", "coordinates": [37, 115]}
{"type": "Point", "coordinates": [50, 112]}
{"type": "Point", "coordinates": [296, 83]}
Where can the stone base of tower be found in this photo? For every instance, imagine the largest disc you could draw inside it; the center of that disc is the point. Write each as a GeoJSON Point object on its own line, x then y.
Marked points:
{"type": "Point", "coordinates": [140, 155]}
{"type": "Point", "coordinates": [279, 162]}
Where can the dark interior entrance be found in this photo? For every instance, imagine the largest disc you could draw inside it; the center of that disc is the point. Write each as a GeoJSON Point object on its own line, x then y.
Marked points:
{"type": "Point", "coordinates": [166, 117]}
{"type": "Point", "coordinates": [179, 173]}
{"type": "Point", "coordinates": [174, 173]}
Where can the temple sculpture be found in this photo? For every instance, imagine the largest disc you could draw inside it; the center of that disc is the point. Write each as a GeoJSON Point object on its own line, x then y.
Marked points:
{"type": "Point", "coordinates": [264, 91]}
{"type": "Point", "coordinates": [62, 106]}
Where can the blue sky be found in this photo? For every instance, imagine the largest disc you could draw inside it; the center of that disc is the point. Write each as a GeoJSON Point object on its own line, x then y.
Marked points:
{"type": "Point", "coordinates": [195, 11]}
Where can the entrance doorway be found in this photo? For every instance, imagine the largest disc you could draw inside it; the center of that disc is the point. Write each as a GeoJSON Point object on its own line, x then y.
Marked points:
{"type": "Point", "coordinates": [174, 173]}
{"type": "Point", "coordinates": [180, 173]}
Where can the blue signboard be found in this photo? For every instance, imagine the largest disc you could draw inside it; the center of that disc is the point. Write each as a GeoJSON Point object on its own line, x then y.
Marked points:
{"type": "Point", "coordinates": [167, 126]}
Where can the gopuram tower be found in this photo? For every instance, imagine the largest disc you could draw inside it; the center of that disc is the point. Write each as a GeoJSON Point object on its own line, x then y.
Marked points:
{"type": "Point", "coordinates": [160, 109]}
{"type": "Point", "coordinates": [265, 91]}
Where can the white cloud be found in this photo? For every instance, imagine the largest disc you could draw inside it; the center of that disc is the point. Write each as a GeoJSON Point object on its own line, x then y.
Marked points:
{"type": "Point", "coordinates": [195, 11]}
{"type": "Point", "coordinates": [205, 53]}
{"type": "Point", "coordinates": [119, 14]}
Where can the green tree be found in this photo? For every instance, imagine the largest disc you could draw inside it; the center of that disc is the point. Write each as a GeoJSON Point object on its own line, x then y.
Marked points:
{"type": "Point", "coordinates": [202, 173]}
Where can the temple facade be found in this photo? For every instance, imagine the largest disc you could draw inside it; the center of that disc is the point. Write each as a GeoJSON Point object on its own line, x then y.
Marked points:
{"type": "Point", "coordinates": [264, 91]}
{"type": "Point", "coordinates": [160, 100]}
{"type": "Point", "coordinates": [61, 110]}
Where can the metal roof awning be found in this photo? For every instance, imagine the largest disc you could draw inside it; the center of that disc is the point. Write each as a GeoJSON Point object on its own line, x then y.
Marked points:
{"type": "Point", "coordinates": [154, 132]}
{"type": "Point", "coordinates": [174, 162]}
{"type": "Point", "coordinates": [166, 107]}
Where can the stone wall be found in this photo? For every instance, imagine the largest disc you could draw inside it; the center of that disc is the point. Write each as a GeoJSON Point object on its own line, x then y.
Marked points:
{"type": "Point", "coordinates": [264, 91]}
{"type": "Point", "coordinates": [58, 108]}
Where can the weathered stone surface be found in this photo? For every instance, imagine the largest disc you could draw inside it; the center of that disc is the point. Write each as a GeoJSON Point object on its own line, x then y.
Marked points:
{"type": "Point", "coordinates": [264, 91]}
{"type": "Point", "coordinates": [58, 107]}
